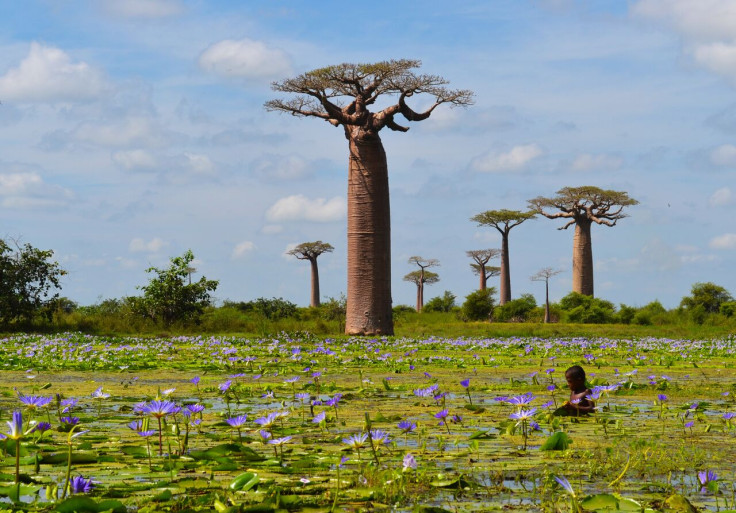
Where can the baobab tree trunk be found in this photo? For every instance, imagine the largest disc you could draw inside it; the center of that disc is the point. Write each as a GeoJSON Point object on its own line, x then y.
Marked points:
{"type": "Point", "coordinates": [369, 237]}
{"type": "Point", "coordinates": [314, 302]}
{"type": "Point", "coordinates": [582, 258]}
{"type": "Point", "coordinates": [546, 300]}
{"type": "Point", "coordinates": [505, 293]}
{"type": "Point", "coordinates": [483, 278]}
{"type": "Point", "coordinates": [420, 297]}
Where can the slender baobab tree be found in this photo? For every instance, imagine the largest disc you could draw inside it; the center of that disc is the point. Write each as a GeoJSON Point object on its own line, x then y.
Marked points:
{"type": "Point", "coordinates": [480, 266]}
{"type": "Point", "coordinates": [342, 95]}
{"type": "Point", "coordinates": [544, 275]}
{"type": "Point", "coordinates": [419, 278]}
{"type": "Point", "coordinates": [310, 251]}
{"type": "Point", "coordinates": [503, 221]}
{"type": "Point", "coordinates": [584, 206]}
{"type": "Point", "coordinates": [422, 278]}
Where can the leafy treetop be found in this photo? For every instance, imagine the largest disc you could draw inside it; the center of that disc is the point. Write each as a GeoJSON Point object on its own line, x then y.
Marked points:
{"type": "Point", "coordinates": [503, 220]}
{"type": "Point", "coordinates": [417, 277]}
{"type": "Point", "coordinates": [341, 94]}
{"type": "Point", "coordinates": [310, 250]}
{"type": "Point", "coordinates": [588, 202]}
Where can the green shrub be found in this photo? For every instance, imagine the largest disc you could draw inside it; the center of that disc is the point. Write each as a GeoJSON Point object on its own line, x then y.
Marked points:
{"type": "Point", "coordinates": [478, 305]}
{"type": "Point", "coordinates": [583, 309]}
{"type": "Point", "coordinates": [443, 303]}
{"type": "Point", "coordinates": [728, 308]}
{"type": "Point", "coordinates": [517, 310]}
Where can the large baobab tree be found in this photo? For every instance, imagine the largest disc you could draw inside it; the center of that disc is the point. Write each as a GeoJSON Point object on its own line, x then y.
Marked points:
{"type": "Point", "coordinates": [503, 221]}
{"type": "Point", "coordinates": [422, 276]}
{"type": "Point", "coordinates": [310, 251]}
{"type": "Point", "coordinates": [342, 95]}
{"type": "Point", "coordinates": [480, 266]}
{"type": "Point", "coordinates": [419, 278]}
{"type": "Point", "coordinates": [544, 275]}
{"type": "Point", "coordinates": [584, 206]}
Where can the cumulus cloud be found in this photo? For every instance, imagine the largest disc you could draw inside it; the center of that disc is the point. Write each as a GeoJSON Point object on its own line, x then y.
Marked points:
{"type": "Point", "coordinates": [301, 208]}
{"type": "Point", "coordinates": [724, 156]}
{"type": "Point", "coordinates": [25, 189]}
{"type": "Point", "coordinates": [154, 245]}
{"type": "Point", "coordinates": [725, 241]}
{"type": "Point", "coordinates": [151, 9]}
{"type": "Point", "coordinates": [49, 75]}
{"type": "Point", "coordinates": [135, 160]}
{"type": "Point", "coordinates": [516, 159]}
{"type": "Point", "coordinates": [242, 248]}
{"type": "Point", "coordinates": [129, 132]}
{"type": "Point", "coordinates": [721, 197]}
{"type": "Point", "coordinates": [587, 162]}
{"type": "Point", "coordinates": [272, 229]}
{"type": "Point", "coordinates": [245, 58]}
{"type": "Point", "coordinates": [708, 29]}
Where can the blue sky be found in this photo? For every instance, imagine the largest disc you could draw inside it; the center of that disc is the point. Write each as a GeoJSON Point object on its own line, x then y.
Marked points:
{"type": "Point", "coordinates": [133, 130]}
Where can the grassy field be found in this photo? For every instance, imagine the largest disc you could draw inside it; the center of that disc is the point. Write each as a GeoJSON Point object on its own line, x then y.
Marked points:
{"type": "Point", "coordinates": [281, 423]}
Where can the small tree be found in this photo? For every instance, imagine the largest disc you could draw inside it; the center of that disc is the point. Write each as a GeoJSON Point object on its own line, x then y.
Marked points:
{"type": "Point", "coordinates": [584, 206]}
{"type": "Point", "coordinates": [443, 303]}
{"type": "Point", "coordinates": [310, 251]}
{"type": "Point", "coordinates": [481, 257]}
{"type": "Point", "coordinates": [168, 298]}
{"type": "Point", "coordinates": [544, 275]}
{"type": "Point", "coordinates": [28, 277]}
{"type": "Point", "coordinates": [503, 221]}
{"type": "Point", "coordinates": [707, 295]}
{"type": "Point", "coordinates": [419, 278]}
{"type": "Point", "coordinates": [478, 305]}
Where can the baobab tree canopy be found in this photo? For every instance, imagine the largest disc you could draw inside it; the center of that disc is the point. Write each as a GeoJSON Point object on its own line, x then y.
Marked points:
{"type": "Point", "coordinates": [584, 206]}
{"type": "Point", "coordinates": [310, 250]}
{"type": "Point", "coordinates": [342, 95]}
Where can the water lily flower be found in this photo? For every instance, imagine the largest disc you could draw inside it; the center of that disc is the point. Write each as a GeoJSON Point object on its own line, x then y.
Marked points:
{"type": "Point", "coordinates": [356, 441]}
{"type": "Point", "coordinates": [280, 441]}
{"type": "Point", "coordinates": [465, 383]}
{"type": "Point", "coordinates": [34, 402]}
{"type": "Point", "coordinates": [407, 426]}
{"type": "Point", "coordinates": [161, 409]}
{"type": "Point", "coordinates": [195, 380]}
{"type": "Point", "coordinates": [409, 462]}
{"type": "Point", "coordinates": [78, 484]}
{"type": "Point", "coordinates": [15, 427]}
{"type": "Point", "coordinates": [195, 408]}
{"type": "Point", "coordinates": [380, 436]}
{"type": "Point", "coordinates": [319, 417]}
{"type": "Point", "coordinates": [224, 387]}
{"type": "Point", "coordinates": [564, 483]}
{"type": "Point", "coordinates": [268, 420]}
{"type": "Point", "coordinates": [99, 394]}
{"type": "Point", "coordinates": [523, 414]}
{"type": "Point", "coordinates": [238, 421]}
{"type": "Point", "coordinates": [661, 398]}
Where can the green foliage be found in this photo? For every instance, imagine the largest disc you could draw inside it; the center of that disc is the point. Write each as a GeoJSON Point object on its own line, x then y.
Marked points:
{"type": "Point", "coordinates": [626, 313]}
{"type": "Point", "coordinates": [478, 305]}
{"type": "Point", "coordinates": [707, 295]}
{"type": "Point", "coordinates": [274, 308]}
{"type": "Point", "coordinates": [443, 303]}
{"type": "Point", "coordinates": [168, 298]}
{"type": "Point", "coordinates": [583, 309]}
{"type": "Point", "coordinates": [27, 280]}
{"type": "Point", "coordinates": [516, 310]}
{"type": "Point", "coordinates": [728, 308]}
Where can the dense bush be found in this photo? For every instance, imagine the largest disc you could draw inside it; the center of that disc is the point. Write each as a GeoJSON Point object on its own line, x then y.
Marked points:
{"type": "Point", "coordinates": [707, 295]}
{"type": "Point", "coordinates": [478, 305]}
{"type": "Point", "coordinates": [582, 309]}
{"type": "Point", "coordinates": [443, 303]}
{"type": "Point", "coordinates": [516, 310]}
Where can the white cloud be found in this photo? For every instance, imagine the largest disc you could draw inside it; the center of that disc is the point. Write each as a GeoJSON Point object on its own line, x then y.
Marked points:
{"type": "Point", "coordinates": [724, 155]}
{"type": "Point", "coordinates": [271, 229]}
{"type": "Point", "coordinates": [242, 248]}
{"type": "Point", "coordinates": [587, 162]}
{"type": "Point", "coordinates": [143, 8]}
{"type": "Point", "coordinates": [721, 197]}
{"type": "Point", "coordinates": [725, 241]}
{"type": "Point", "coordinates": [133, 160]}
{"type": "Point", "coordinates": [516, 159]}
{"type": "Point", "coordinates": [139, 245]}
{"type": "Point", "coordinates": [132, 131]}
{"type": "Point", "coordinates": [245, 58]}
{"type": "Point", "coordinates": [708, 28]}
{"type": "Point", "coordinates": [301, 208]}
{"type": "Point", "coordinates": [27, 190]}
{"type": "Point", "coordinates": [48, 74]}
{"type": "Point", "coordinates": [199, 164]}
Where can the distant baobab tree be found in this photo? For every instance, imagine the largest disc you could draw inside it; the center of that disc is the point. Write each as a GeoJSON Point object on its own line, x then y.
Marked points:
{"type": "Point", "coordinates": [584, 206]}
{"type": "Point", "coordinates": [310, 251]}
{"type": "Point", "coordinates": [422, 276]}
{"type": "Point", "coordinates": [544, 275]}
{"type": "Point", "coordinates": [503, 221]}
{"type": "Point", "coordinates": [342, 95]}
{"type": "Point", "coordinates": [480, 266]}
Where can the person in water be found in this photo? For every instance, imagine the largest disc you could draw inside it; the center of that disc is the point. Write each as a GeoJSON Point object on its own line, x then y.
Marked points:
{"type": "Point", "coordinates": [579, 402]}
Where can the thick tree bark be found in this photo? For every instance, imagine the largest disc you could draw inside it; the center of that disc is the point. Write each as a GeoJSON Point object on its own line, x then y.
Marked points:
{"type": "Point", "coordinates": [546, 300]}
{"type": "Point", "coordinates": [505, 293]}
{"type": "Point", "coordinates": [420, 297]}
{"type": "Point", "coordinates": [483, 278]}
{"type": "Point", "coordinates": [582, 258]}
{"type": "Point", "coordinates": [369, 237]}
{"type": "Point", "coordinates": [314, 302]}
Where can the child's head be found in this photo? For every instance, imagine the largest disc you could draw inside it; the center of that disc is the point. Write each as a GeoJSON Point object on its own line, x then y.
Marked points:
{"type": "Point", "coordinates": [575, 377]}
